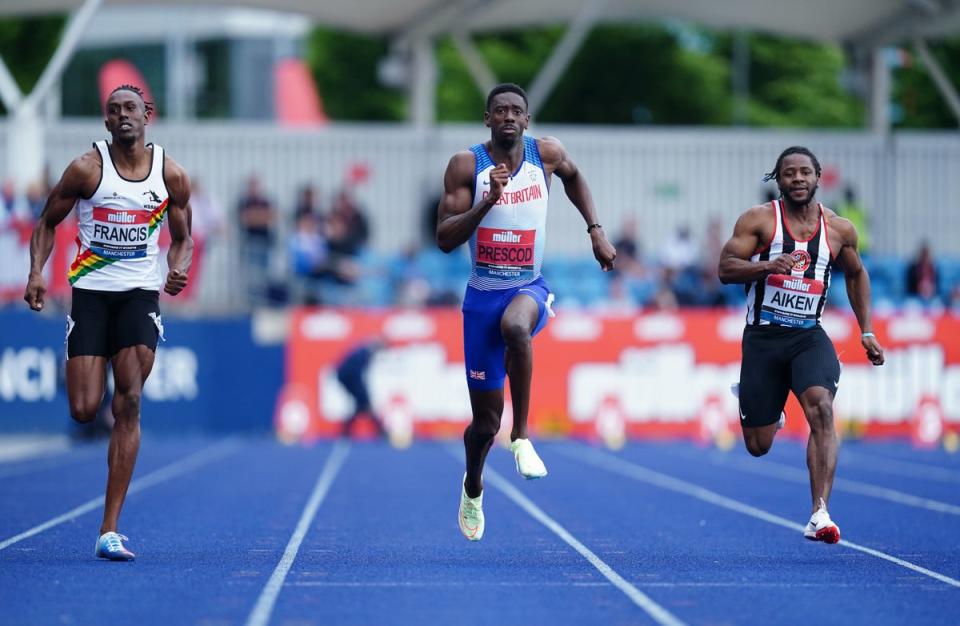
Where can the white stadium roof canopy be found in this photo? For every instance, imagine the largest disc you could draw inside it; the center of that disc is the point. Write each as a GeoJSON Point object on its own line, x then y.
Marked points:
{"type": "Point", "coordinates": [864, 26]}
{"type": "Point", "coordinates": [871, 22]}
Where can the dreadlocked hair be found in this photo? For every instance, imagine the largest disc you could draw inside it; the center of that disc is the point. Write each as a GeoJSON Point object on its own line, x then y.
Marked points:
{"type": "Point", "coordinates": [147, 106]}
{"type": "Point", "coordinates": [775, 173]}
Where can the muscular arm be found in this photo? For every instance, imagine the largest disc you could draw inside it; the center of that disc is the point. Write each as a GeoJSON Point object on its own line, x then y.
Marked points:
{"type": "Point", "coordinates": [179, 220]}
{"type": "Point", "coordinates": [78, 180]}
{"type": "Point", "coordinates": [457, 216]}
{"type": "Point", "coordinates": [858, 284]}
{"type": "Point", "coordinates": [558, 161]}
{"type": "Point", "coordinates": [753, 228]}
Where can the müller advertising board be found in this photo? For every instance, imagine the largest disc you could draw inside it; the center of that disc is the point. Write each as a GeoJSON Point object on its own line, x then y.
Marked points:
{"type": "Point", "coordinates": [650, 375]}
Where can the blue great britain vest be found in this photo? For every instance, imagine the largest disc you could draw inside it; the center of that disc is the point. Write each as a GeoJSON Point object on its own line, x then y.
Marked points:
{"type": "Point", "coordinates": [506, 250]}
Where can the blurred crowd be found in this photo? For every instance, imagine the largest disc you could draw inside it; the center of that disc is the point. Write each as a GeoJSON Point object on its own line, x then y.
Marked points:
{"type": "Point", "coordinates": [318, 252]}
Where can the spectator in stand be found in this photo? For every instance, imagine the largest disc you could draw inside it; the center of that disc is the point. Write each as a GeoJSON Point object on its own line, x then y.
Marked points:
{"type": "Point", "coordinates": [852, 209]}
{"type": "Point", "coordinates": [922, 276]}
{"type": "Point", "coordinates": [9, 199]}
{"type": "Point", "coordinates": [34, 200]}
{"type": "Point", "coordinates": [664, 299]}
{"type": "Point", "coordinates": [312, 263]}
{"type": "Point", "coordinates": [307, 202]}
{"type": "Point", "coordinates": [710, 291]}
{"type": "Point", "coordinates": [954, 299]}
{"type": "Point", "coordinates": [680, 270]}
{"type": "Point", "coordinates": [630, 279]}
{"type": "Point", "coordinates": [257, 219]}
{"type": "Point", "coordinates": [411, 287]}
{"type": "Point", "coordinates": [207, 226]}
{"type": "Point", "coordinates": [628, 250]}
{"type": "Point", "coordinates": [14, 206]}
{"type": "Point", "coordinates": [679, 251]}
{"type": "Point", "coordinates": [348, 229]}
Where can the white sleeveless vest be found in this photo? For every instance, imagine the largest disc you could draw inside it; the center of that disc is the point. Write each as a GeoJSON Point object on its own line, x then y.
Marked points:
{"type": "Point", "coordinates": [119, 227]}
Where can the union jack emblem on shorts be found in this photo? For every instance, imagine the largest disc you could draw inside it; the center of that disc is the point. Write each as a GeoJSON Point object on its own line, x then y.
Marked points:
{"type": "Point", "coordinates": [475, 375]}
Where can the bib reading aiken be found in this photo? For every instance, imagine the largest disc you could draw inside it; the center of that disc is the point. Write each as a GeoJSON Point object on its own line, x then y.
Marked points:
{"type": "Point", "coordinates": [797, 300]}
{"type": "Point", "coordinates": [507, 248]}
{"type": "Point", "coordinates": [119, 227]}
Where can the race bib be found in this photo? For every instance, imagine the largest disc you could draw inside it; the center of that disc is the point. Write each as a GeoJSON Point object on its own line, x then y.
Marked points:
{"type": "Point", "coordinates": [505, 253]}
{"type": "Point", "coordinates": [791, 301]}
{"type": "Point", "coordinates": [120, 233]}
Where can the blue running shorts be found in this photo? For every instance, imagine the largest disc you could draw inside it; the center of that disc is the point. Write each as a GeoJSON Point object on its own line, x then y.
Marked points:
{"type": "Point", "coordinates": [483, 346]}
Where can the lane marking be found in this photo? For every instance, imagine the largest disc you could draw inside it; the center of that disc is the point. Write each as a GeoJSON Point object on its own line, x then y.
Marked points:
{"type": "Point", "coordinates": [182, 466]}
{"type": "Point", "coordinates": [69, 457]}
{"type": "Point", "coordinates": [664, 584]}
{"type": "Point", "coordinates": [658, 613]}
{"type": "Point", "coordinates": [14, 448]}
{"type": "Point", "coordinates": [795, 475]}
{"type": "Point", "coordinates": [664, 481]}
{"type": "Point", "coordinates": [260, 615]}
{"type": "Point", "coordinates": [902, 468]}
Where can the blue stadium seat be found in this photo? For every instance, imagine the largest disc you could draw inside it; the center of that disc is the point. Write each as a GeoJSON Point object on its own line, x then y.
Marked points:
{"type": "Point", "coordinates": [948, 270]}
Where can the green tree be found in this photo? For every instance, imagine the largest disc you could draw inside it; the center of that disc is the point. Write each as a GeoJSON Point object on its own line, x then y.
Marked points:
{"type": "Point", "coordinates": [641, 74]}
{"type": "Point", "coordinates": [26, 46]}
{"type": "Point", "coordinates": [797, 83]}
{"type": "Point", "coordinates": [345, 68]}
{"type": "Point", "coordinates": [513, 57]}
{"type": "Point", "coordinates": [915, 95]}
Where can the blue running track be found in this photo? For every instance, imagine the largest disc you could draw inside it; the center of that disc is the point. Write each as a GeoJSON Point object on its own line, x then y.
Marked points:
{"type": "Point", "coordinates": [251, 532]}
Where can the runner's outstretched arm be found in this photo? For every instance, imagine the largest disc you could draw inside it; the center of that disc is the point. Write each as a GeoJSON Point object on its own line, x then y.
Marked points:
{"type": "Point", "coordinates": [576, 188]}
{"type": "Point", "coordinates": [858, 288]}
{"type": "Point", "coordinates": [60, 202]}
{"type": "Point", "coordinates": [180, 255]}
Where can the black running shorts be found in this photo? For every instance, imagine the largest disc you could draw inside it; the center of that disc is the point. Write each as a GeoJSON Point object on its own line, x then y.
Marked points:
{"type": "Point", "coordinates": [101, 323]}
{"type": "Point", "coordinates": [777, 360]}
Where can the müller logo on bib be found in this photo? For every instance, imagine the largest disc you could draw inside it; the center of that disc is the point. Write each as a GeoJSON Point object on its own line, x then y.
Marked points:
{"type": "Point", "coordinates": [505, 252]}
{"type": "Point", "coordinates": [801, 260]}
{"type": "Point", "coordinates": [790, 283]}
{"type": "Point", "coordinates": [796, 284]}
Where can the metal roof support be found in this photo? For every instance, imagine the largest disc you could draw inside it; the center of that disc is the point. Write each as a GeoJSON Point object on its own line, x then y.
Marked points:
{"type": "Point", "coordinates": [479, 70]}
{"type": "Point", "coordinates": [560, 58]}
{"type": "Point", "coordinates": [180, 83]}
{"type": "Point", "coordinates": [9, 90]}
{"type": "Point", "coordinates": [940, 78]}
{"type": "Point", "coordinates": [25, 149]}
{"type": "Point", "coordinates": [879, 92]}
{"type": "Point", "coordinates": [64, 52]}
{"type": "Point", "coordinates": [423, 82]}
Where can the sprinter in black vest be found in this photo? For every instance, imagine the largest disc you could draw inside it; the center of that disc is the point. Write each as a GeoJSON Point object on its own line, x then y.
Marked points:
{"type": "Point", "coordinates": [783, 252]}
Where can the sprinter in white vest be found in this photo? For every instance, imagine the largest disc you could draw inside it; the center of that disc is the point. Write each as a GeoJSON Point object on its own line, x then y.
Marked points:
{"type": "Point", "coordinates": [783, 252]}
{"type": "Point", "coordinates": [495, 197]}
{"type": "Point", "coordinates": [122, 191]}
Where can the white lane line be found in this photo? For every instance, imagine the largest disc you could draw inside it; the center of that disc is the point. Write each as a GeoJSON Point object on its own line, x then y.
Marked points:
{"type": "Point", "coordinates": [664, 481]}
{"type": "Point", "coordinates": [182, 466]}
{"type": "Point", "coordinates": [902, 468]}
{"type": "Point", "coordinates": [15, 448]}
{"type": "Point", "coordinates": [658, 613]}
{"type": "Point", "coordinates": [260, 615]}
{"type": "Point", "coordinates": [792, 474]}
{"type": "Point", "coordinates": [659, 585]}
{"type": "Point", "coordinates": [74, 455]}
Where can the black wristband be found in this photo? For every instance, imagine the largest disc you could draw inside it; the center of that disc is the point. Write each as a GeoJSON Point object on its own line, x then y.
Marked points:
{"type": "Point", "coordinates": [592, 226]}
